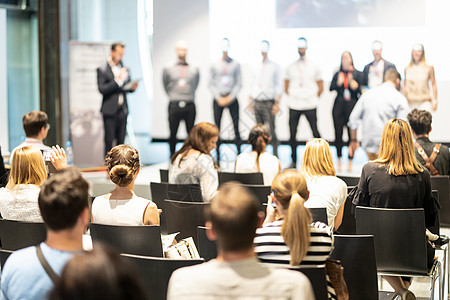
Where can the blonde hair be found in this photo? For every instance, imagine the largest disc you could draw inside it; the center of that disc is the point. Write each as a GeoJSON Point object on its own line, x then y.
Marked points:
{"type": "Point", "coordinates": [397, 149]}
{"type": "Point", "coordinates": [317, 159]}
{"type": "Point", "coordinates": [422, 59]}
{"type": "Point", "coordinates": [27, 167]}
{"type": "Point", "coordinates": [291, 192]}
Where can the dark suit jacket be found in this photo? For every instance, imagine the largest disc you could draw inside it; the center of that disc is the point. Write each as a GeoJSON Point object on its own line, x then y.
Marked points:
{"type": "Point", "coordinates": [110, 91]}
{"type": "Point", "coordinates": [387, 65]}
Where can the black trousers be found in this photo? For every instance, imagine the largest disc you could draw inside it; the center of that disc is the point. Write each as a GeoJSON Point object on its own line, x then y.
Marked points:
{"type": "Point", "coordinates": [180, 111]}
{"type": "Point", "coordinates": [263, 115]}
{"type": "Point", "coordinates": [294, 117]}
{"type": "Point", "coordinates": [233, 107]}
{"type": "Point", "coordinates": [341, 112]}
{"type": "Point", "coordinates": [115, 129]}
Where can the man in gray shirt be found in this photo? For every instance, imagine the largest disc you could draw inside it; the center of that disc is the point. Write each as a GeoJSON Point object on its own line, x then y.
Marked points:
{"type": "Point", "coordinates": [180, 82]}
{"type": "Point", "coordinates": [225, 83]}
{"type": "Point", "coordinates": [232, 220]}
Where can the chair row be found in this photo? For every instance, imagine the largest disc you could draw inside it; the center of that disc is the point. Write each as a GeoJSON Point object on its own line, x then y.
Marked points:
{"type": "Point", "coordinates": [244, 178]}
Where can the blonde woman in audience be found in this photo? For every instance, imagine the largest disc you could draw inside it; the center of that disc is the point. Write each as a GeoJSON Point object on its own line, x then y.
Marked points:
{"type": "Point", "coordinates": [288, 237]}
{"type": "Point", "coordinates": [19, 199]}
{"type": "Point", "coordinates": [325, 189]}
{"type": "Point", "coordinates": [193, 163]}
{"type": "Point", "coordinates": [259, 160]}
{"type": "Point", "coordinates": [122, 206]}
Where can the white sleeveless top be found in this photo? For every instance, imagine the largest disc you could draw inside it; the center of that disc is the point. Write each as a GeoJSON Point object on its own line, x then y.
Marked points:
{"type": "Point", "coordinates": [119, 212]}
{"type": "Point", "coordinates": [268, 164]}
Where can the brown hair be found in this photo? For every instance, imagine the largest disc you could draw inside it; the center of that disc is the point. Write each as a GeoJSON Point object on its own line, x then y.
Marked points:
{"type": "Point", "coordinates": [234, 217]}
{"type": "Point", "coordinates": [397, 149]}
{"type": "Point", "coordinates": [115, 45]}
{"type": "Point", "coordinates": [317, 159]}
{"type": "Point", "coordinates": [392, 75]}
{"type": "Point", "coordinates": [259, 137]}
{"type": "Point", "coordinates": [420, 121]}
{"type": "Point", "coordinates": [422, 59]}
{"type": "Point", "coordinates": [198, 139]}
{"type": "Point", "coordinates": [291, 192]}
{"type": "Point", "coordinates": [122, 162]}
{"type": "Point", "coordinates": [27, 167]}
{"type": "Point", "coordinates": [33, 122]}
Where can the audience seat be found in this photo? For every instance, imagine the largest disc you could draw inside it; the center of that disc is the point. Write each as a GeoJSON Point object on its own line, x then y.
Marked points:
{"type": "Point", "coordinates": [442, 185]}
{"type": "Point", "coordinates": [244, 178]}
{"type": "Point", "coordinates": [261, 192]}
{"type": "Point", "coordinates": [4, 254]}
{"type": "Point", "coordinates": [15, 235]}
{"type": "Point", "coordinates": [164, 175]}
{"type": "Point", "coordinates": [348, 225]}
{"type": "Point", "coordinates": [206, 248]}
{"type": "Point", "coordinates": [319, 214]}
{"type": "Point", "coordinates": [349, 180]}
{"type": "Point", "coordinates": [317, 277]}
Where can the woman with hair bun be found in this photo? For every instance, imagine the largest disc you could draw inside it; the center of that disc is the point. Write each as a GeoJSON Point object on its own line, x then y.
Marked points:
{"type": "Point", "coordinates": [122, 206]}
{"type": "Point", "coordinates": [258, 160]}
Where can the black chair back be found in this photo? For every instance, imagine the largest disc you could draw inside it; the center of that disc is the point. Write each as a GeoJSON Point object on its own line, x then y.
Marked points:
{"type": "Point", "coordinates": [261, 192]}
{"type": "Point", "coordinates": [348, 225]}
{"type": "Point", "coordinates": [164, 175]}
{"type": "Point", "coordinates": [316, 276]}
{"type": "Point", "coordinates": [244, 178]}
{"type": "Point", "coordinates": [4, 254]}
{"type": "Point", "coordinates": [206, 248]}
{"type": "Point", "coordinates": [182, 192]}
{"type": "Point", "coordinates": [357, 255]}
{"type": "Point", "coordinates": [139, 240]}
{"type": "Point", "coordinates": [319, 214]}
{"type": "Point", "coordinates": [441, 184]}
{"type": "Point", "coordinates": [349, 180]}
{"type": "Point", "coordinates": [155, 272]}
{"type": "Point", "coordinates": [400, 241]}
{"type": "Point", "coordinates": [16, 235]}
{"type": "Point", "coordinates": [184, 217]}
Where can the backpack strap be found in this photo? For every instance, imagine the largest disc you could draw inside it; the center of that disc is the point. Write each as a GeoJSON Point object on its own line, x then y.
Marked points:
{"type": "Point", "coordinates": [429, 160]}
{"type": "Point", "coordinates": [53, 276]}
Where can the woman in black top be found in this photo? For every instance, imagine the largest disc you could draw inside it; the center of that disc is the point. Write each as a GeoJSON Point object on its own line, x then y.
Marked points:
{"type": "Point", "coordinates": [397, 180]}
{"type": "Point", "coordinates": [347, 82]}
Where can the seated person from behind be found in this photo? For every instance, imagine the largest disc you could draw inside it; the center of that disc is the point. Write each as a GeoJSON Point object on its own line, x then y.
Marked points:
{"type": "Point", "coordinates": [232, 220]}
{"type": "Point", "coordinates": [325, 189]}
{"type": "Point", "coordinates": [19, 199]}
{"type": "Point", "coordinates": [193, 163]}
{"type": "Point", "coordinates": [64, 205]}
{"type": "Point", "coordinates": [122, 206]}
{"type": "Point", "coordinates": [258, 160]}
{"type": "Point", "coordinates": [435, 157]}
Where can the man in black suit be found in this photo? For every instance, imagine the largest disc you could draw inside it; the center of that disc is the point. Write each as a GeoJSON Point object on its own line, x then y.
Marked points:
{"type": "Point", "coordinates": [112, 79]}
{"type": "Point", "coordinates": [374, 72]}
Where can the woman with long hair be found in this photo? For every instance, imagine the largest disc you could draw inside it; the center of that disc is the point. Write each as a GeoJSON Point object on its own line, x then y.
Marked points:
{"type": "Point", "coordinates": [397, 180]}
{"type": "Point", "coordinates": [347, 83]}
{"type": "Point", "coordinates": [258, 160]}
{"type": "Point", "coordinates": [193, 162]}
{"type": "Point", "coordinates": [288, 237]}
{"type": "Point", "coordinates": [325, 189]}
{"type": "Point", "coordinates": [122, 206]}
{"type": "Point", "coordinates": [418, 76]}
{"type": "Point", "coordinates": [19, 199]}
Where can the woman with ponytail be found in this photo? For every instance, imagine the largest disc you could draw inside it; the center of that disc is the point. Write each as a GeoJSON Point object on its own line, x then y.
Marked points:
{"type": "Point", "coordinates": [288, 237]}
{"type": "Point", "coordinates": [122, 206]}
{"type": "Point", "coordinates": [258, 160]}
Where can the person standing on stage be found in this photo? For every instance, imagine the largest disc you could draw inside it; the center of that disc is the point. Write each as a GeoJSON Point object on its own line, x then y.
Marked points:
{"type": "Point", "coordinates": [347, 83]}
{"type": "Point", "coordinates": [112, 79]}
{"type": "Point", "coordinates": [303, 86]}
{"type": "Point", "coordinates": [418, 75]}
{"type": "Point", "coordinates": [266, 93]}
{"type": "Point", "coordinates": [225, 83]}
{"type": "Point", "coordinates": [180, 82]}
{"type": "Point", "coordinates": [374, 72]}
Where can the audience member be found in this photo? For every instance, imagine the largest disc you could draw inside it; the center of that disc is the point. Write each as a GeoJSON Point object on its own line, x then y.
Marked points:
{"type": "Point", "coordinates": [325, 189]}
{"type": "Point", "coordinates": [193, 162]}
{"type": "Point", "coordinates": [232, 220]}
{"type": "Point", "coordinates": [258, 160]}
{"type": "Point", "coordinates": [288, 237]}
{"type": "Point", "coordinates": [19, 199]}
{"type": "Point", "coordinates": [97, 275]}
{"type": "Point", "coordinates": [397, 180]}
{"type": "Point", "coordinates": [435, 157]}
{"type": "Point", "coordinates": [375, 72]}
{"type": "Point", "coordinates": [122, 206]}
{"type": "Point", "coordinates": [30, 273]}
{"type": "Point", "coordinates": [373, 110]}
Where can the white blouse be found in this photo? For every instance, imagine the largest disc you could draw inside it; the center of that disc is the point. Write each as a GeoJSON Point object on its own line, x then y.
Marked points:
{"type": "Point", "coordinates": [268, 164]}
{"type": "Point", "coordinates": [20, 203]}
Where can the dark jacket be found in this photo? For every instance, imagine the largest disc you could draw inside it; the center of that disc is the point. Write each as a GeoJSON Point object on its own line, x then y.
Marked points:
{"type": "Point", "coordinates": [387, 65]}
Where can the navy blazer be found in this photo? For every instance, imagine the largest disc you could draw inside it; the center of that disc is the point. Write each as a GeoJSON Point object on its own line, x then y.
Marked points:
{"type": "Point", "coordinates": [387, 65]}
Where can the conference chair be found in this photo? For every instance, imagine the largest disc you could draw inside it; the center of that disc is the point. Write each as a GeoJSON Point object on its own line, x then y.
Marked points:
{"type": "Point", "coordinates": [319, 214]}
{"type": "Point", "coordinates": [184, 217]}
{"type": "Point", "coordinates": [139, 240]}
{"type": "Point", "coordinates": [182, 192]}
{"type": "Point", "coordinates": [349, 180]}
{"type": "Point", "coordinates": [261, 192]}
{"type": "Point", "coordinates": [155, 272]}
{"type": "Point", "coordinates": [164, 175]}
{"type": "Point", "coordinates": [348, 225]}
{"type": "Point", "coordinates": [316, 276]}
{"type": "Point", "coordinates": [400, 241]}
{"type": "Point", "coordinates": [244, 178]}
{"type": "Point", "coordinates": [16, 235]}
{"type": "Point", "coordinates": [441, 184]}
{"type": "Point", "coordinates": [206, 248]}
{"type": "Point", "coordinates": [4, 254]}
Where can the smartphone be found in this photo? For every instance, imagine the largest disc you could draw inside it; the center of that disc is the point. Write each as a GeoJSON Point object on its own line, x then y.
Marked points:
{"type": "Point", "coordinates": [47, 153]}
{"type": "Point", "coordinates": [272, 195]}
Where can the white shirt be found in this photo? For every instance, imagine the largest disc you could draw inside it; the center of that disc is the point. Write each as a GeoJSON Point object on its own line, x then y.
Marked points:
{"type": "Point", "coordinates": [20, 203]}
{"type": "Point", "coordinates": [34, 143]}
{"type": "Point", "coordinates": [303, 75]}
{"type": "Point", "coordinates": [266, 84]}
{"type": "Point", "coordinates": [376, 72]}
{"type": "Point", "coordinates": [326, 191]}
{"type": "Point", "coordinates": [268, 164]}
